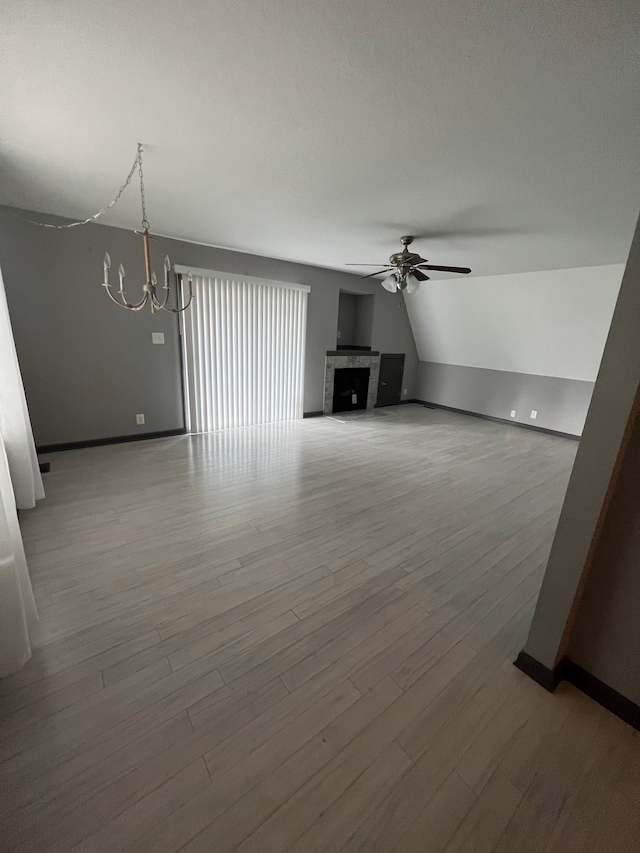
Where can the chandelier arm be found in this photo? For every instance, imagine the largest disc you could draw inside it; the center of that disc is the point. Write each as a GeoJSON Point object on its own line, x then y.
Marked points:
{"type": "Point", "coordinates": [123, 303]}
{"type": "Point", "coordinates": [158, 306]}
{"type": "Point", "coordinates": [180, 310]}
{"type": "Point", "coordinates": [140, 304]}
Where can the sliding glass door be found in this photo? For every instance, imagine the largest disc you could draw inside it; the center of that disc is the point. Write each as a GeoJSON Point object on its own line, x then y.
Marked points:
{"type": "Point", "coordinates": [243, 346]}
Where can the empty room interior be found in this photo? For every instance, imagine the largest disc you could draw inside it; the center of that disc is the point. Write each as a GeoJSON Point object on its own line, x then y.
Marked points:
{"type": "Point", "coordinates": [319, 431]}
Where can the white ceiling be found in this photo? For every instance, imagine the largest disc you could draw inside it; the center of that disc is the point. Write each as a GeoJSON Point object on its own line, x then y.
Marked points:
{"type": "Point", "coordinates": [321, 131]}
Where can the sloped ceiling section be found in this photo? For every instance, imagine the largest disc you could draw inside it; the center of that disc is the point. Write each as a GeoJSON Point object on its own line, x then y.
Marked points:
{"type": "Point", "coordinates": [550, 323]}
{"type": "Point", "coordinates": [504, 132]}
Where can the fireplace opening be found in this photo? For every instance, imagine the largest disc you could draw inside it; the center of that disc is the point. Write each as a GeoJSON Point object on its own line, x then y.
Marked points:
{"type": "Point", "coordinates": [350, 388]}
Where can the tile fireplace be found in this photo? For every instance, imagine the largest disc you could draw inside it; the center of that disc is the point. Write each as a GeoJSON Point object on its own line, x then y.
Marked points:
{"type": "Point", "coordinates": [341, 360]}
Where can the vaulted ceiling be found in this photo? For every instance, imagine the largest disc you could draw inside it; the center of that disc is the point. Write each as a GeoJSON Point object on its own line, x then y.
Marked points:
{"type": "Point", "coordinates": [505, 132]}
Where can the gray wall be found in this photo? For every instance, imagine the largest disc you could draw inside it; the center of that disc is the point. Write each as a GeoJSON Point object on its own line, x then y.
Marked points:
{"type": "Point", "coordinates": [89, 367]}
{"type": "Point", "coordinates": [347, 319]}
{"type": "Point", "coordinates": [364, 321]}
{"type": "Point", "coordinates": [355, 319]}
{"type": "Point", "coordinates": [561, 404]}
{"type": "Point", "coordinates": [608, 415]}
{"type": "Point", "coordinates": [606, 637]}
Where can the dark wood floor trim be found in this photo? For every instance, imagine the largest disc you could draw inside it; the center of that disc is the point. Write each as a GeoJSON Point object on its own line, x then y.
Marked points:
{"type": "Point", "coordinates": [430, 405]}
{"type": "Point", "coordinates": [597, 690]}
{"type": "Point", "coordinates": [118, 439]}
{"type": "Point", "coordinates": [313, 414]}
{"type": "Point", "coordinates": [602, 694]}
{"type": "Point", "coordinates": [547, 678]}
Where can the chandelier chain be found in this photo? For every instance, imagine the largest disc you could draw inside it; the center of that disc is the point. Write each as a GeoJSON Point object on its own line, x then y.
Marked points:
{"type": "Point", "coordinates": [137, 164]}
{"type": "Point", "coordinates": [145, 221]}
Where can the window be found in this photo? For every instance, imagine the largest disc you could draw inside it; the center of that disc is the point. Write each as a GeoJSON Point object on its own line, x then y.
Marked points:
{"type": "Point", "coordinates": [243, 346]}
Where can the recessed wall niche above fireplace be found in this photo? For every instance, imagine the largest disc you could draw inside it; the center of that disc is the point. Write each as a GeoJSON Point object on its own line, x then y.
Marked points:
{"type": "Point", "coordinates": [355, 321]}
{"type": "Point", "coordinates": [354, 383]}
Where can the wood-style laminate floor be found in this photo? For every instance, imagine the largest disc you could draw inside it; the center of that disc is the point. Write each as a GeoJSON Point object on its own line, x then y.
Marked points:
{"type": "Point", "coordinates": [299, 637]}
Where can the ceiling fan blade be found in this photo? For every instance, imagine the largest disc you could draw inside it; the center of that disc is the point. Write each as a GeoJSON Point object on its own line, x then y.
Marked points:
{"type": "Point", "coordinates": [444, 269]}
{"type": "Point", "coordinates": [386, 269]}
{"type": "Point", "coordinates": [419, 275]}
{"type": "Point", "coordinates": [361, 265]}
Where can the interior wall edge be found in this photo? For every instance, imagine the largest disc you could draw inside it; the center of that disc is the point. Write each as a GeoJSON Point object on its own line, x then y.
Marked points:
{"type": "Point", "coordinates": [604, 431]}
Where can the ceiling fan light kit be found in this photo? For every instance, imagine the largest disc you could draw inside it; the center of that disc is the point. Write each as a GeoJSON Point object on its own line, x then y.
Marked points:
{"type": "Point", "coordinates": [391, 283]}
{"type": "Point", "coordinates": [406, 269]}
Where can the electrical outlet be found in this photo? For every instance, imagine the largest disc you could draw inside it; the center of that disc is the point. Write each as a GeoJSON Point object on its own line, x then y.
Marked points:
{"type": "Point", "coordinates": [534, 414]}
{"type": "Point", "coordinates": [513, 413]}
{"type": "Point", "coordinates": [139, 419]}
{"type": "Point", "coordinates": [339, 335]}
{"type": "Point", "coordinates": [157, 337]}
{"type": "Point", "coordinates": [404, 391]}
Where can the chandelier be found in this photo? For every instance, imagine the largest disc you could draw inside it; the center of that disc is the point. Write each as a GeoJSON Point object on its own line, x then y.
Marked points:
{"type": "Point", "coordinates": [150, 286]}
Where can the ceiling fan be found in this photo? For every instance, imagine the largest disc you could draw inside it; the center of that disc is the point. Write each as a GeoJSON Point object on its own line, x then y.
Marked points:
{"type": "Point", "coordinates": [406, 269]}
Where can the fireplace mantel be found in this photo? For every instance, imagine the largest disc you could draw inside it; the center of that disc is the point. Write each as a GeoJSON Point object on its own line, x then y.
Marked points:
{"type": "Point", "coordinates": [348, 352]}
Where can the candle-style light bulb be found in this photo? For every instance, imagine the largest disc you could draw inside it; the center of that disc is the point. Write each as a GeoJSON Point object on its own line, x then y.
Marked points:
{"type": "Point", "coordinates": [167, 271]}
{"type": "Point", "coordinates": [154, 279]}
{"type": "Point", "coordinates": [107, 265]}
{"type": "Point", "coordinates": [121, 271]}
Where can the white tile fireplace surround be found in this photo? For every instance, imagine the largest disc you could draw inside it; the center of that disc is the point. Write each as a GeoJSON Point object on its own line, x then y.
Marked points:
{"type": "Point", "coordinates": [350, 358]}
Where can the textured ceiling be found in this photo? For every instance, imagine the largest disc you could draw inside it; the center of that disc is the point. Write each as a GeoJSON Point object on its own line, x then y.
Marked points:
{"type": "Point", "coordinates": [505, 131]}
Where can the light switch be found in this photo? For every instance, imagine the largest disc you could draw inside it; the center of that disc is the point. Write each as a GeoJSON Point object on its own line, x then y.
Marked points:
{"type": "Point", "coordinates": [157, 337]}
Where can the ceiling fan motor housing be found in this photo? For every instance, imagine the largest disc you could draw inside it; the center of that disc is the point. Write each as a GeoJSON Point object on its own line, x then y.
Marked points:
{"type": "Point", "coordinates": [404, 264]}
{"type": "Point", "coordinates": [404, 259]}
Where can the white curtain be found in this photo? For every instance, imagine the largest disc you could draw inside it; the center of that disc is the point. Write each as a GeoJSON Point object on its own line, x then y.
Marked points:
{"type": "Point", "coordinates": [15, 425]}
{"type": "Point", "coordinates": [18, 616]}
{"type": "Point", "coordinates": [20, 486]}
{"type": "Point", "coordinates": [243, 347]}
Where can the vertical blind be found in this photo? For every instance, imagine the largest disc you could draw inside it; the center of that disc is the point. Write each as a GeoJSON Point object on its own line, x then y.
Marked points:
{"type": "Point", "coordinates": [243, 350]}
